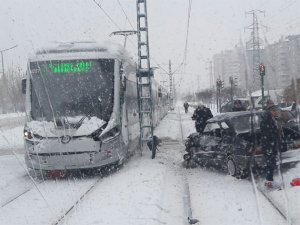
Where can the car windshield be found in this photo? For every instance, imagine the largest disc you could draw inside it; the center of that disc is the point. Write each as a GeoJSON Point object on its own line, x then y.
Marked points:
{"type": "Point", "coordinates": [243, 123]}
{"type": "Point", "coordinates": [72, 88]}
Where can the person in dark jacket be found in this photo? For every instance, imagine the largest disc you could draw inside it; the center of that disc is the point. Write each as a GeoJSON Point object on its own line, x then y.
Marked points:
{"type": "Point", "coordinates": [271, 134]}
{"type": "Point", "coordinates": [186, 107]}
{"type": "Point", "coordinates": [201, 115]}
{"type": "Point", "coordinates": [238, 106]}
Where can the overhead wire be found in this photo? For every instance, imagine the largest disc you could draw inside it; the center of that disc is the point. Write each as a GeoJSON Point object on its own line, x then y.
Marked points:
{"type": "Point", "coordinates": [187, 31]}
{"type": "Point", "coordinates": [281, 9]}
{"type": "Point", "coordinates": [157, 64]}
{"type": "Point", "coordinates": [108, 16]}
{"type": "Point", "coordinates": [125, 14]}
{"type": "Point", "coordinates": [183, 63]}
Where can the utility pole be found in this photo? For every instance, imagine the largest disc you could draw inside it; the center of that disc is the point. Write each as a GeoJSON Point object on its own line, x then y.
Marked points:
{"type": "Point", "coordinates": [262, 73]}
{"type": "Point", "coordinates": [170, 73]}
{"type": "Point", "coordinates": [211, 78]}
{"type": "Point", "coordinates": [171, 86]}
{"type": "Point", "coordinates": [220, 85]}
{"type": "Point", "coordinates": [144, 79]}
{"type": "Point", "coordinates": [256, 60]}
{"type": "Point", "coordinates": [231, 82]}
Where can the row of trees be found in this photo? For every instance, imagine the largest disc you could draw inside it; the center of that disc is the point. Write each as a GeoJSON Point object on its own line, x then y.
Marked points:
{"type": "Point", "coordinates": [208, 96]}
{"type": "Point", "coordinates": [292, 92]}
{"type": "Point", "coordinates": [11, 97]}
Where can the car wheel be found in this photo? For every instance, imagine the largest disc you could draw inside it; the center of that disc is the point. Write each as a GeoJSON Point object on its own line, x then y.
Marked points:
{"type": "Point", "coordinates": [188, 144]}
{"type": "Point", "coordinates": [234, 170]}
{"type": "Point", "coordinates": [231, 166]}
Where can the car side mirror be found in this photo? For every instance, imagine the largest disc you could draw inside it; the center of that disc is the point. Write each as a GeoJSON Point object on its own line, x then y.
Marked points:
{"type": "Point", "coordinates": [24, 81]}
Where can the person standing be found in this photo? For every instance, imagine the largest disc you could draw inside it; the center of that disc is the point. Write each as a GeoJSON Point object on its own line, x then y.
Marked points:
{"type": "Point", "coordinates": [271, 134]}
{"type": "Point", "coordinates": [201, 115]}
{"type": "Point", "coordinates": [186, 107]}
{"type": "Point", "coordinates": [238, 106]}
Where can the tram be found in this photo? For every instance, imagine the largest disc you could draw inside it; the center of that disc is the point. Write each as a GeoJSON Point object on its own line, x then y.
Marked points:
{"type": "Point", "coordinates": [82, 106]}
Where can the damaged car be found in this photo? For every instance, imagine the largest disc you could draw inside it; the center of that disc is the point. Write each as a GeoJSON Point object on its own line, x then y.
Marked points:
{"type": "Point", "coordinates": [231, 141]}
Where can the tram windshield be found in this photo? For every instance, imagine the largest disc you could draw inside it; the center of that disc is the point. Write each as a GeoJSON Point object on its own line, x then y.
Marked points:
{"type": "Point", "coordinates": [72, 88]}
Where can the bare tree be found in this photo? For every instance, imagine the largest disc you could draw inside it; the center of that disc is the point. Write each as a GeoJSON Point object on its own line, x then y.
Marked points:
{"type": "Point", "coordinates": [292, 92]}
{"type": "Point", "coordinates": [11, 96]}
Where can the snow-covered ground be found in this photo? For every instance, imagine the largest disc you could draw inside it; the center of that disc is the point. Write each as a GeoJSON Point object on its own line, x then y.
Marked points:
{"type": "Point", "coordinates": [11, 133]}
{"type": "Point", "coordinates": [143, 191]}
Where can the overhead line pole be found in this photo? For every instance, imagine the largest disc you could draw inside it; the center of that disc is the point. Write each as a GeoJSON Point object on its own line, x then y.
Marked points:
{"type": "Point", "coordinates": [254, 27]}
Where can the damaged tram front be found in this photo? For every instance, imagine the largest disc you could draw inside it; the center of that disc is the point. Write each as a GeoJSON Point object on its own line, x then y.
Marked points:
{"type": "Point", "coordinates": [73, 107]}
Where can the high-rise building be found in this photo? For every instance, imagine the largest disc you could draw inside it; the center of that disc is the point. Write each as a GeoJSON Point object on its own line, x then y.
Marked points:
{"type": "Point", "coordinates": [230, 63]}
{"type": "Point", "coordinates": [281, 59]}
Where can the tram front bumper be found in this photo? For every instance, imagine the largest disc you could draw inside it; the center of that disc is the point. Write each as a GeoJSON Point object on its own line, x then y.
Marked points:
{"type": "Point", "coordinates": [81, 153]}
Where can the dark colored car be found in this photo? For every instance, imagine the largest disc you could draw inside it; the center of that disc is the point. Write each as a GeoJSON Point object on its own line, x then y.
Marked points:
{"type": "Point", "coordinates": [227, 142]}
{"type": "Point", "coordinates": [228, 106]}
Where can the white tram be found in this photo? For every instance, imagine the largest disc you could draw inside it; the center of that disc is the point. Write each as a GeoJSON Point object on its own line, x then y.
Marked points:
{"type": "Point", "coordinates": [82, 107]}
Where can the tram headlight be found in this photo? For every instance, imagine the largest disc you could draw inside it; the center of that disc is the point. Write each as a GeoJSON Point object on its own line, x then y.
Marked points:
{"type": "Point", "coordinates": [28, 134]}
{"type": "Point", "coordinates": [110, 134]}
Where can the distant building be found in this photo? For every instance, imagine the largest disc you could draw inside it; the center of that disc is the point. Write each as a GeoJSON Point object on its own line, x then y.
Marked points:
{"type": "Point", "coordinates": [282, 61]}
{"type": "Point", "coordinates": [230, 63]}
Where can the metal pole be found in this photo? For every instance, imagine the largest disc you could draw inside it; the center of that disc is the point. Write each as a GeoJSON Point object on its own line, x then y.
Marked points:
{"type": "Point", "coordinates": [171, 85]}
{"type": "Point", "coordinates": [1, 89]}
{"type": "Point", "coordinates": [262, 91]}
{"type": "Point", "coordinates": [2, 63]}
{"type": "Point", "coordinates": [231, 88]}
{"type": "Point", "coordinates": [217, 99]}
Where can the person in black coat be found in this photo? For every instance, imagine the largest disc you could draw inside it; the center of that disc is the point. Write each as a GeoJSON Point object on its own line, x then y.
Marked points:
{"type": "Point", "coordinates": [201, 115]}
{"type": "Point", "coordinates": [238, 106]}
{"type": "Point", "coordinates": [271, 134]}
{"type": "Point", "coordinates": [186, 107]}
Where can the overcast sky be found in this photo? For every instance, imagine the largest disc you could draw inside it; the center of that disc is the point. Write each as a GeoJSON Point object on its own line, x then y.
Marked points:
{"type": "Point", "coordinates": [214, 26]}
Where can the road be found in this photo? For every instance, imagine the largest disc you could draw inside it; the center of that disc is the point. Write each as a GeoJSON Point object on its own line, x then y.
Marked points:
{"type": "Point", "coordinates": [143, 191]}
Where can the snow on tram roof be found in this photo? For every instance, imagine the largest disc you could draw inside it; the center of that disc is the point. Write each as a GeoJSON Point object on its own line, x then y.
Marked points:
{"type": "Point", "coordinates": [76, 50]}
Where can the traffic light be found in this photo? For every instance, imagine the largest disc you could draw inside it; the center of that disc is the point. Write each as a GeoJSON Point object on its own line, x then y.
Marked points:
{"type": "Point", "coordinates": [262, 69]}
{"type": "Point", "coordinates": [235, 81]}
{"type": "Point", "coordinates": [222, 83]}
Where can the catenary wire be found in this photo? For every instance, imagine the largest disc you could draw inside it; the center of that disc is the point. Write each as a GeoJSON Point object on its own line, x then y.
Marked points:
{"type": "Point", "coordinates": [125, 14]}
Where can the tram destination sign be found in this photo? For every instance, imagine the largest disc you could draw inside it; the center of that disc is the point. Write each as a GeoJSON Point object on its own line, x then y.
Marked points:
{"type": "Point", "coordinates": [70, 67]}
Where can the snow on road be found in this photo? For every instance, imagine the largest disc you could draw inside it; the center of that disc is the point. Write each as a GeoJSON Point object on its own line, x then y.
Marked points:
{"type": "Point", "coordinates": [11, 133]}
{"type": "Point", "coordinates": [143, 191]}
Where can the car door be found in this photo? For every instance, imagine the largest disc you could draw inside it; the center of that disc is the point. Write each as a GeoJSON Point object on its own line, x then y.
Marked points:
{"type": "Point", "coordinates": [225, 143]}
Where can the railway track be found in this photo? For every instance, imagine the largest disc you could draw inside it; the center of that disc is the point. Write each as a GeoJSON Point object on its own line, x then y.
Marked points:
{"type": "Point", "coordinates": [15, 197]}
{"type": "Point", "coordinates": [187, 194]}
{"type": "Point", "coordinates": [278, 208]}
{"type": "Point", "coordinates": [70, 209]}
